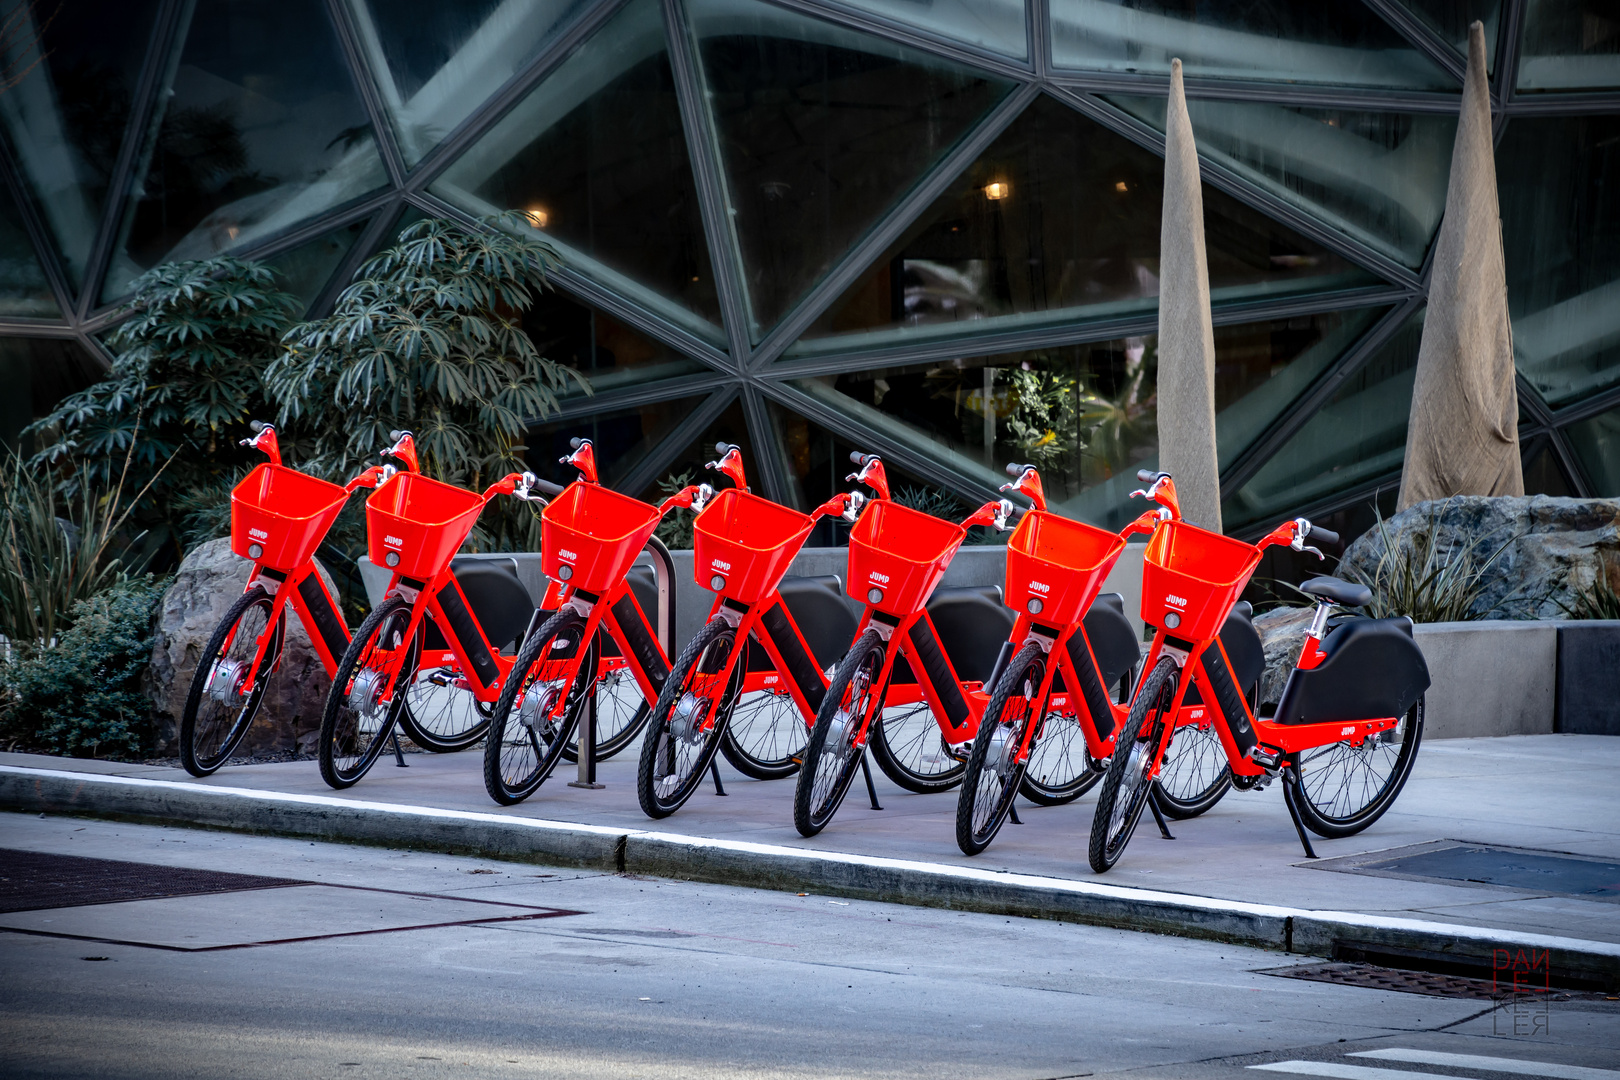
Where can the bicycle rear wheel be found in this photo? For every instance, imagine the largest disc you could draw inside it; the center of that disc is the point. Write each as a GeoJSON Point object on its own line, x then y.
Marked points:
{"type": "Point", "coordinates": [991, 780]}
{"type": "Point", "coordinates": [767, 734]}
{"type": "Point", "coordinates": [1344, 787]}
{"type": "Point", "coordinates": [525, 739]}
{"type": "Point", "coordinates": [1195, 773]}
{"type": "Point", "coordinates": [1060, 768]}
{"type": "Point", "coordinates": [357, 722]}
{"type": "Point", "coordinates": [217, 713]}
{"type": "Point", "coordinates": [1126, 786]}
{"type": "Point", "coordinates": [440, 716]}
{"type": "Point", "coordinates": [911, 751]}
{"type": "Point", "coordinates": [621, 712]}
{"type": "Point", "coordinates": [687, 723]}
{"type": "Point", "coordinates": [832, 758]}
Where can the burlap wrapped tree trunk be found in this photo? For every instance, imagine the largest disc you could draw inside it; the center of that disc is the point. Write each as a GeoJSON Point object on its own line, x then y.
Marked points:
{"type": "Point", "coordinates": [1463, 438]}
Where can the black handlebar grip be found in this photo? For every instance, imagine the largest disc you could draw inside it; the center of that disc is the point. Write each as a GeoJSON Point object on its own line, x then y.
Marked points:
{"type": "Point", "coordinates": [1017, 514]}
{"type": "Point", "coordinates": [256, 426]}
{"type": "Point", "coordinates": [1015, 469]}
{"type": "Point", "coordinates": [397, 435]}
{"type": "Point", "coordinates": [1147, 476]}
{"type": "Point", "coordinates": [574, 443]}
{"type": "Point", "coordinates": [1327, 536]}
{"type": "Point", "coordinates": [724, 448]}
{"type": "Point", "coordinates": [548, 488]}
{"type": "Point", "coordinates": [857, 458]}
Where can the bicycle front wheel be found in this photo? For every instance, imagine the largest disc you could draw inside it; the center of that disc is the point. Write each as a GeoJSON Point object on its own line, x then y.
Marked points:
{"type": "Point", "coordinates": [689, 720]}
{"type": "Point", "coordinates": [991, 780]}
{"type": "Point", "coordinates": [360, 714]}
{"type": "Point", "coordinates": [1345, 787]}
{"type": "Point", "coordinates": [833, 755]}
{"type": "Point", "coordinates": [1127, 785]}
{"type": "Point", "coordinates": [526, 733]}
{"type": "Point", "coordinates": [219, 707]}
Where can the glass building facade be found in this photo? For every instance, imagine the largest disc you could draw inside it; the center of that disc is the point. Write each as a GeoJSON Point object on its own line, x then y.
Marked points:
{"type": "Point", "coordinates": [927, 228]}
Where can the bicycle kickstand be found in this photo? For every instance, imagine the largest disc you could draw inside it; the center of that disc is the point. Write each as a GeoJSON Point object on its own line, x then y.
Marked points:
{"type": "Point", "coordinates": [399, 755]}
{"type": "Point", "coordinates": [871, 788]}
{"type": "Point", "coordinates": [1012, 812]}
{"type": "Point", "coordinates": [1164, 830]}
{"type": "Point", "coordinates": [714, 770]}
{"type": "Point", "coordinates": [1289, 797]}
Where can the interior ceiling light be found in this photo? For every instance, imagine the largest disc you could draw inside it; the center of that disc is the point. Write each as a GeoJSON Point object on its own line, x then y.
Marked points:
{"type": "Point", "coordinates": [1120, 187]}
{"type": "Point", "coordinates": [997, 190]}
{"type": "Point", "coordinates": [537, 216]}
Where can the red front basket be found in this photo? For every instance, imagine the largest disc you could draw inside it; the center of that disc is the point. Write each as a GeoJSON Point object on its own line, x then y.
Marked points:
{"type": "Point", "coordinates": [1191, 578]}
{"type": "Point", "coordinates": [279, 516]}
{"type": "Point", "coordinates": [742, 544]}
{"type": "Point", "coordinates": [589, 536]}
{"type": "Point", "coordinates": [415, 525]}
{"type": "Point", "coordinates": [897, 555]}
{"type": "Point", "coordinates": [1055, 566]}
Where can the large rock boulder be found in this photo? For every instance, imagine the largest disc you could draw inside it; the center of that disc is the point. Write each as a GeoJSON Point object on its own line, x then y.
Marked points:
{"type": "Point", "coordinates": [207, 583]}
{"type": "Point", "coordinates": [1282, 635]}
{"type": "Point", "coordinates": [1554, 548]}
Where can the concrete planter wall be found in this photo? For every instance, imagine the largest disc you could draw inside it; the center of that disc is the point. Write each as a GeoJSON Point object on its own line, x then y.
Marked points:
{"type": "Point", "coordinates": [1490, 678]}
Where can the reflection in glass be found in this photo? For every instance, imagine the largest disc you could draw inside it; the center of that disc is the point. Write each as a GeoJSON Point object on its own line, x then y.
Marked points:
{"type": "Point", "coordinates": [1086, 415]}
{"type": "Point", "coordinates": [1377, 177]}
{"type": "Point", "coordinates": [688, 467]}
{"type": "Point", "coordinates": [66, 114]}
{"type": "Point", "coordinates": [305, 269]}
{"type": "Point", "coordinates": [1337, 42]}
{"type": "Point", "coordinates": [37, 374]}
{"type": "Point", "coordinates": [608, 353]}
{"type": "Point", "coordinates": [596, 156]}
{"type": "Point", "coordinates": [1542, 473]}
{"type": "Point", "coordinates": [1452, 18]}
{"type": "Point", "coordinates": [1357, 437]}
{"type": "Point", "coordinates": [1570, 45]}
{"type": "Point", "coordinates": [997, 25]}
{"type": "Point", "coordinates": [436, 62]}
{"type": "Point", "coordinates": [1559, 182]}
{"type": "Point", "coordinates": [23, 288]}
{"type": "Point", "coordinates": [1059, 217]}
{"type": "Point", "coordinates": [822, 129]}
{"type": "Point", "coordinates": [1597, 445]}
{"type": "Point", "coordinates": [261, 129]}
{"type": "Point", "coordinates": [620, 437]}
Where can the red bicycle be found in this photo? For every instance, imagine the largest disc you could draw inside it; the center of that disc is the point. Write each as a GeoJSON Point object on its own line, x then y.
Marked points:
{"type": "Point", "coordinates": [414, 526]}
{"type": "Point", "coordinates": [1346, 732]}
{"type": "Point", "coordinates": [279, 516]}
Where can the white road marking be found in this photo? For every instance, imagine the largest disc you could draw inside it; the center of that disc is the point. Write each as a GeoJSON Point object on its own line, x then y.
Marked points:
{"type": "Point", "coordinates": [1491, 1064]}
{"type": "Point", "coordinates": [1346, 1071]}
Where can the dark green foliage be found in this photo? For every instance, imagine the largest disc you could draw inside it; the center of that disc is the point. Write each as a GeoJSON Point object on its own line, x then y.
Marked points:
{"type": "Point", "coordinates": [1415, 578]}
{"type": "Point", "coordinates": [426, 339]}
{"type": "Point", "coordinates": [676, 528]}
{"type": "Point", "coordinates": [187, 379]}
{"type": "Point", "coordinates": [83, 696]}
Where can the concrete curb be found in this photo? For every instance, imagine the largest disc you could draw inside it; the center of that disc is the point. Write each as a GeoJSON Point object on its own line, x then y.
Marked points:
{"type": "Point", "coordinates": [769, 866]}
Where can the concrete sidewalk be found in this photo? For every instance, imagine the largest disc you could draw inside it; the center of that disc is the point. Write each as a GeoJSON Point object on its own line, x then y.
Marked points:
{"type": "Point", "coordinates": [1237, 873]}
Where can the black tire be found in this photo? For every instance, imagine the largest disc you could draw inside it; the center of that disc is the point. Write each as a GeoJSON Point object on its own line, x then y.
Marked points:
{"type": "Point", "coordinates": [621, 712]}
{"type": "Point", "coordinates": [831, 758]}
{"type": "Point", "coordinates": [351, 741]}
{"type": "Point", "coordinates": [676, 751]}
{"type": "Point", "coordinates": [1060, 768]}
{"type": "Point", "coordinates": [767, 734]}
{"type": "Point", "coordinates": [440, 716]}
{"type": "Point", "coordinates": [521, 750]}
{"type": "Point", "coordinates": [1194, 774]}
{"type": "Point", "coordinates": [1126, 786]}
{"type": "Point", "coordinates": [908, 746]}
{"type": "Point", "coordinates": [1341, 788]}
{"type": "Point", "coordinates": [212, 726]}
{"type": "Point", "coordinates": [990, 782]}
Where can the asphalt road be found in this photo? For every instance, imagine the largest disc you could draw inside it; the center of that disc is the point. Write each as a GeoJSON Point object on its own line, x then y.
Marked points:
{"type": "Point", "coordinates": [595, 975]}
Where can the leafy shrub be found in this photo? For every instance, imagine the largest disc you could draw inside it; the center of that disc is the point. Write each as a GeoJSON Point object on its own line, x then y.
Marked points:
{"type": "Point", "coordinates": [676, 528]}
{"type": "Point", "coordinates": [82, 695]}
{"type": "Point", "coordinates": [1598, 600]}
{"type": "Point", "coordinates": [1415, 578]}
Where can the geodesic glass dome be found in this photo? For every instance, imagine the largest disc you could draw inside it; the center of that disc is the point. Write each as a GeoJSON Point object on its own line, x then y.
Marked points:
{"type": "Point", "coordinates": [927, 228]}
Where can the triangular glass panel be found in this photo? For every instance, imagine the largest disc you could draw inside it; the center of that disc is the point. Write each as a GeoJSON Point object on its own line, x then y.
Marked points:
{"type": "Point", "coordinates": [306, 269]}
{"type": "Point", "coordinates": [822, 130]}
{"type": "Point", "coordinates": [1569, 45]}
{"type": "Point", "coordinates": [996, 25]}
{"type": "Point", "coordinates": [1543, 475]}
{"type": "Point", "coordinates": [66, 111]}
{"type": "Point", "coordinates": [1450, 20]}
{"type": "Point", "coordinates": [608, 353]}
{"type": "Point", "coordinates": [1597, 444]}
{"type": "Point", "coordinates": [1334, 42]}
{"type": "Point", "coordinates": [1321, 160]}
{"type": "Point", "coordinates": [622, 437]}
{"type": "Point", "coordinates": [37, 373]}
{"type": "Point", "coordinates": [24, 291]}
{"type": "Point", "coordinates": [261, 129]}
{"type": "Point", "coordinates": [595, 155]}
{"type": "Point", "coordinates": [1057, 222]}
{"type": "Point", "coordinates": [1085, 414]}
{"type": "Point", "coordinates": [731, 426]}
{"type": "Point", "coordinates": [1358, 436]}
{"type": "Point", "coordinates": [435, 63]}
{"type": "Point", "coordinates": [1562, 247]}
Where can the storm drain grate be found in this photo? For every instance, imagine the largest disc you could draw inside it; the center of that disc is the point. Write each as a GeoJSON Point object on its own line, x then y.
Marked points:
{"type": "Point", "coordinates": [1404, 981]}
{"type": "Point", "coordinates": [33, 880]}
{"type": "Point", "coordinates": [1455, 863]}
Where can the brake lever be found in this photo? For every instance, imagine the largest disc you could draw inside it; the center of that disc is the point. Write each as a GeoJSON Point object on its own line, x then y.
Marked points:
{"type": "Point", "coordinates": [1003, 512]}
{"type": "Point", "coordinates": [701, 499]}
{"type": "Point", "coordinates": [525, 487]}
{"type": "Point", "coordinates": [1302, 529]}
{"type": "Point", "coordinates": [852, 509]}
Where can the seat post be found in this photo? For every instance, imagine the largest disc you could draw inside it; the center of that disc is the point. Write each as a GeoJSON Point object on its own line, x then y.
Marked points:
{"type": "Point", "coordinates": [1319, 624]}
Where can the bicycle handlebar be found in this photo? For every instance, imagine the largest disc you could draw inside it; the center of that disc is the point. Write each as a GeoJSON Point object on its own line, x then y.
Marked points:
{"type": "Point", "coordinates": [1325, 535]}
{"type": "Point", "coordinates": [257, 426]}
{"type": "Point", "coordinates": [548, 487]}
{"type": "Point", "coordinates": [396, 435]}
{"type": "Point", "coordinates": [858, 458]}
{"type": "Point", "coordinates": [1015, 469]}
{"type": "Point", "coordinates": [1147, 476]}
